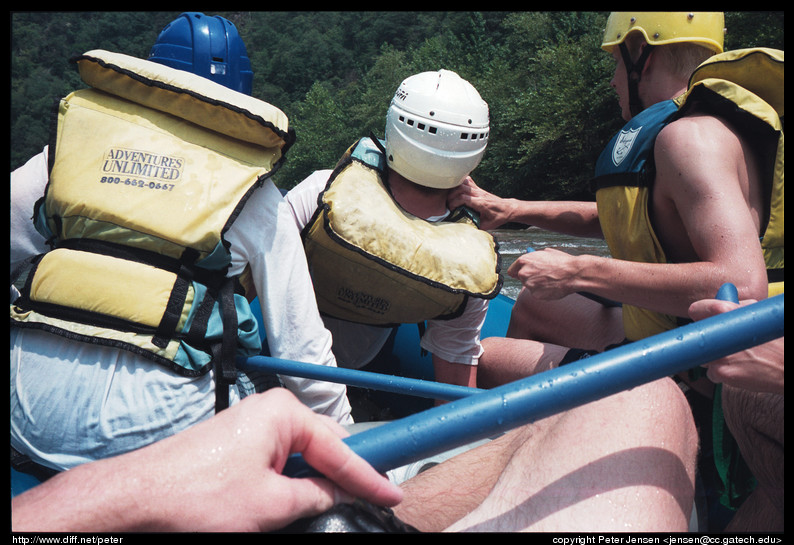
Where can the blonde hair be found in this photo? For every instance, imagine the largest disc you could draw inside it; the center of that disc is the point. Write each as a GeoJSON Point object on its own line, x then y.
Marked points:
{"type": "Point", "coordinates": [683, 58]}
{"type": "Point", "coordinates": [680, 58]}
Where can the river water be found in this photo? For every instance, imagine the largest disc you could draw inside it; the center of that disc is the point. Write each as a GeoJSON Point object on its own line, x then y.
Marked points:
{"type": "Point", "coordinates": [514, 242]}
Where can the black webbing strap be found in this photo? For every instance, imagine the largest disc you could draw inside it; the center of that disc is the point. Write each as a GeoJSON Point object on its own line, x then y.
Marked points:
{"type": "Point", "coordinates": [23, 464]}
{"type": "Point", "coordinates": [774, 275]}
{"type": "Point", "coordinates": [223, 353]}
{"type": "Point", "coordinates": [176, 301]}
{"type": "Point", "coordinates": [634, 72]}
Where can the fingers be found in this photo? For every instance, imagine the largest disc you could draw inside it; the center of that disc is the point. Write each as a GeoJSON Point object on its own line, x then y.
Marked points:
{"type": "Point", "coordinates": [337, 428]}
{"type": "Point", "coordinates": [512, 271]}
{"type": "Point", "coordinates": [459, 196]}
{"type": "Point", "coordinates": [714, 372]}
{"type": "Point", "coordinates": [711, 307]}
{"type": "Point", "coordinates": [528, 260]}
{"type": "Point", "coordinates": [334, 459]}
{"type": "Point", "coordinates": [469, 182]}
{"type": "Point", "coordinates": [319, 440]}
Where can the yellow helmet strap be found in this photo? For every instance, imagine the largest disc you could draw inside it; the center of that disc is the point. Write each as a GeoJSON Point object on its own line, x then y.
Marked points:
{"type": "Point", "coordinates": [634, 73]}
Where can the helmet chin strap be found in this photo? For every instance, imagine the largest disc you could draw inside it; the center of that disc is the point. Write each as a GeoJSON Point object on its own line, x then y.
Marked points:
{"type": "Point", "coordinates": [634, 72]}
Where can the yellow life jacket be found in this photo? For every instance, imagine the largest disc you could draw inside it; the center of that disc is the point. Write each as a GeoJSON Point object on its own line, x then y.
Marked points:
{"type": "Point", "coordinates": [374, 263]}
{"type": "Point", "coordinates": [743, 86]}
{"type": "Point", "coordinates": [151, 166]}
{"type": "Point", "coordinates": [624, 177]}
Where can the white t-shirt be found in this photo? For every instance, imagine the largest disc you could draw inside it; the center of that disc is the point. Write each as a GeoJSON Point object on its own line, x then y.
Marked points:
{"type": "Point", "coordinates": [27, 186]}
{"type": "Point", "coordinates": [456, 340]}
{"type": "Point", "coordinates": [73, 402]}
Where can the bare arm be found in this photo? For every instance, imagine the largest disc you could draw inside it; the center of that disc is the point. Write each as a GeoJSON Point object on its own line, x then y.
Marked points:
{"type": "Point", "coordinates": [454, 373]}
{"type": "Point", "coordinates": [705, 214]}
{"type": "Point", "coordinates": [573, 218]}
{"type": "Point", "coordinates": [223, 474]}
{"type": "Point", "coordinates": [708, 208]}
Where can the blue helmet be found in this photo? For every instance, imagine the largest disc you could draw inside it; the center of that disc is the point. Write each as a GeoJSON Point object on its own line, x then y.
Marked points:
{"type": "Point", "coordinates": [206, 46]}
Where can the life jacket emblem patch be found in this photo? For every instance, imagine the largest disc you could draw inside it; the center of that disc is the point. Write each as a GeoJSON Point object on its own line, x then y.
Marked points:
{"type": "Point", "coordinates": [623, 145]}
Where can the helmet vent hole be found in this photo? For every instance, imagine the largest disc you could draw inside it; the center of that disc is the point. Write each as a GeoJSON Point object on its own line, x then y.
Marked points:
{"type": "Point", "coordinates": [418, 125]}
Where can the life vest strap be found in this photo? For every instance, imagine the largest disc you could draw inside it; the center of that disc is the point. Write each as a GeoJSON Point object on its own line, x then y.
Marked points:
{"type": "Point", "coordinates": [622, 179]}
{"type": "Point", "coordinates": [173, 309]}
{"type": "Point", "coordinates": [223, 353]}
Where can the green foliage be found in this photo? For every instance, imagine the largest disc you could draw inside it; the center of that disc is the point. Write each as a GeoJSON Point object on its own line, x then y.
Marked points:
{"type": "Point", "coordinates": [753, 29]}
{"type": "Point", "coordinates": [543, 74]}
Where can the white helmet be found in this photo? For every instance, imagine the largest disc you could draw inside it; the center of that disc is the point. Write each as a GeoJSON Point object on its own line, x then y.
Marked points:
{"type": "Point", "coordinates": [436, 129]}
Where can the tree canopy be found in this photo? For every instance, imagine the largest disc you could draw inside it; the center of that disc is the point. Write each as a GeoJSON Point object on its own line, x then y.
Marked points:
{"type": "Point", "coordinates": [543, 74]}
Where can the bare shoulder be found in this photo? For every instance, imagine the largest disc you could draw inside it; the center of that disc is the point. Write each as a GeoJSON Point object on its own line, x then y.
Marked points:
{"type": "Point", "coordinates": [698, 134]}
{"type": "Point", "coordinates": [695, 150]}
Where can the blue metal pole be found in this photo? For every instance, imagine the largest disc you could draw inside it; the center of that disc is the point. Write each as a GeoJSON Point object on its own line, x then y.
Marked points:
{"type": "Point", "coordinates": [728, 292]}
{"type": "Point", "coordinates": [355, 377]}
{"type": "Point", "coordinates": [491, 412]}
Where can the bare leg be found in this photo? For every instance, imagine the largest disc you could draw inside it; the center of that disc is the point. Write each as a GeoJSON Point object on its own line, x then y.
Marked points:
{"type": "Point", "coordinates": [506, 360]}
{"type": "Point", "coordinates": [624, 463]}
{"type": "Point", "coordinates": [756, 421]}
{"type": "Point", "coordinates": [574, 321]}
{"type": "Point", "coordinates": [436, 498]}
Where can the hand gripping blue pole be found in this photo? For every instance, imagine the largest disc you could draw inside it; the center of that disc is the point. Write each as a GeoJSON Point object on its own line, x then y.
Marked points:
{"type": "Point", "coordinates": [355, 377]}
{"type": "Point", "coordinates": [491, 412]}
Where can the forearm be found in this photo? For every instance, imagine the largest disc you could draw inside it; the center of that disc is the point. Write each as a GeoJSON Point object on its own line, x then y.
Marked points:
{"type": "Point", "coordinates": [455, 373]}
{"type": "Point", "coordinates": [222, 474]}
{"type": "Point", "coordinates": [96, 497]}
{"type": "Point", "coordinates": [575, 218]}
{"type": "Point", "coordinates": [666, 288]}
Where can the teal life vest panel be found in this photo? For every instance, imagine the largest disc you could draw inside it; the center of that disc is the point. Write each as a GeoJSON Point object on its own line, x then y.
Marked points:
{"type": "Point", "coordinates": [628, 158]}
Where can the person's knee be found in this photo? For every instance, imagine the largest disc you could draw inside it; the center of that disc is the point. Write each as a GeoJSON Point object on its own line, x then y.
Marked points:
{"type": "Point", "coordinates": [490, 342]}
{"type": "Point", "coordinates": [675, 402]}
{"type": "Point", "coordinates": [668, 417]}
{"type": "Point", "coordinates": [507, 359]}
{"type": "Point", "coordinates": [521, 317]}
{"type": "Point", "coordinates": [663, 424]}
{"type": "Point", "coordinates": [573, 321]}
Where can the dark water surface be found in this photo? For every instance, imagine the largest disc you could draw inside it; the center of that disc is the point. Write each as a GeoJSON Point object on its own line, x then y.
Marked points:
{"type": "Point", "coordinates": [514, 242]}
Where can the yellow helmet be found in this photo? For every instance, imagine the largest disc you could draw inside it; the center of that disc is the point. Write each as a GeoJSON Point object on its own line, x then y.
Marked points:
{"type": "Point", "coordinates": [667, 27]}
